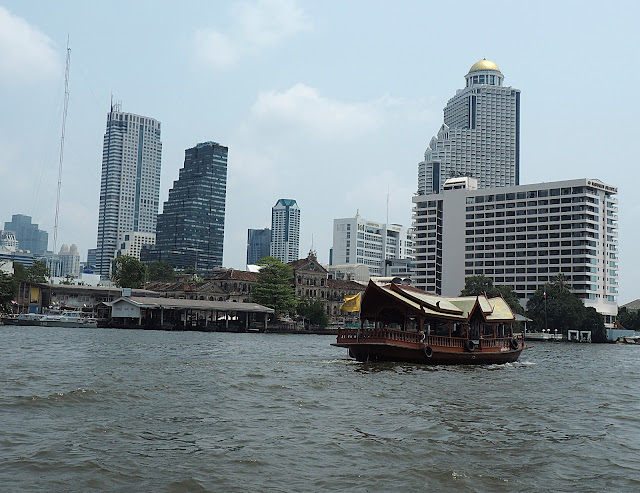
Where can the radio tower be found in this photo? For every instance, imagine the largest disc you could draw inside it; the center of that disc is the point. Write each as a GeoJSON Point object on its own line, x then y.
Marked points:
{"type": "Point", "coordinates": [64, 123]}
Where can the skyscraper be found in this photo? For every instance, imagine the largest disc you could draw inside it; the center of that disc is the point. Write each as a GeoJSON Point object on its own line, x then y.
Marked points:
{"type": "Point", "coordinates": [130, 182]}
{"type": "Point", "coordinates": [480, 136]}
{"type": "Point", "coordinates": [258, 244]}
{"type": "Point", "coordinates": [190, 231]}
{"type": "Point", "coordinates": [28, 235]}
{"type": "Point", "coordinates": [285, 230]}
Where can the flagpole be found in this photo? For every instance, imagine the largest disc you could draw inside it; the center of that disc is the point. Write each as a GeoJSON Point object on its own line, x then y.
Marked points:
{"type": "Point", "coordinates": [546, 325]}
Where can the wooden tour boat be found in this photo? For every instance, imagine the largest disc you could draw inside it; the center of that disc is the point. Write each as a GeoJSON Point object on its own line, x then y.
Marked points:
{"type": "Point", "coordinates": [403, 323]}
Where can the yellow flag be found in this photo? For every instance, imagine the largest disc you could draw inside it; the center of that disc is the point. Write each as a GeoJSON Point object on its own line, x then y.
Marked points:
{"type": "Point", "coordinates": [351, 303]}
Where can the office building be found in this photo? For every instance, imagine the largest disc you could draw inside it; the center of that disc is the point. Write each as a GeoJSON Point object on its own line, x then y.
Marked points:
{"type": "Point", "coordinates": [190, 231]}
{"type": "Point", "coordinates": [69, 261]}
{"type": "Point", "coordinates": [132, 243]}
{"type": "Point", "coordinates": [29, 236]}
{"type": "Point", "coordinates": [480, 136]}
{"type": "Point", "coordinates": [521, 236]}
{"type": "Point", "coordinates": [258, 244]}
{"type": "Point", "coordinates": [130, 182]}
{"type": "Point", "coordinates": [359, 241]}
{"type": "Point", "coordinates": [285, 230]}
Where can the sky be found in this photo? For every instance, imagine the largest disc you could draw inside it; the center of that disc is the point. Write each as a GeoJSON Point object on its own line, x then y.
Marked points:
{"type": "Point", "coordinates": [330, 103]}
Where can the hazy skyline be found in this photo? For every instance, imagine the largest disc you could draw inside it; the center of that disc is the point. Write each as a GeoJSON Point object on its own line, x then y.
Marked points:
{"type": "Point", "coordinates": [331, 104]}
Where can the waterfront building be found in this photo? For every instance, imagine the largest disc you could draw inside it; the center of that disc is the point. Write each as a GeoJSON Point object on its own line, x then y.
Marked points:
{"type": "Point", "coordinates": [285, 230]}
{"type": "Point", "coordinates": [130, 181]}
{"type": "Point", "coordinates": [359, 241]}
{"type": "Point", "coordinates": [258, 244]}
{"type": "Point", "coordinates": [27, 234]}
{"type": "Point", "coordinates": [521, 236]}
{"type": "Point", "coordinates": [190, 230]}
{"type": "Point", "coordinates": [480, 136]}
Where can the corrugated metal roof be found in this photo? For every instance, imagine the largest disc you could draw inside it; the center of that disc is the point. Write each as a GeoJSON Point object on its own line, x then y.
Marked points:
{"type": "Point", "coordinates": [170, 303]}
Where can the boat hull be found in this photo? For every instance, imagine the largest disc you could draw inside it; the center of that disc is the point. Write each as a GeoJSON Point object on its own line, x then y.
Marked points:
{"type": "Point", "coordinates": [388, 352]}
{"type": "Point", "coordinates": [374, 344]}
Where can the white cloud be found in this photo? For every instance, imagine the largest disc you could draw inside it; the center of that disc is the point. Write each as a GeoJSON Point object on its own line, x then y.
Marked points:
{"type": "Point", "coordinates": [255, 27]}
{"type": "Point", "coordinates": [26, 54]}
{"type": "Point", "coordinates": [215, 48]}
{"type": "Point", "coordinates": [303, 111]}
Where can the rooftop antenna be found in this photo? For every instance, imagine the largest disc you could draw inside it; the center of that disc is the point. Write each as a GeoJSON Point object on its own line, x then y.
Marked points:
{"type": "Point", "coordinates": [64, 124]}
{"type": "Point", "coordinates": [387, 204]}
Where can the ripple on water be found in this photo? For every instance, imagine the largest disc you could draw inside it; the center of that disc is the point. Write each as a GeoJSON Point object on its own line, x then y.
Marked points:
{"type": "Point", "coordinates": [164, 411]}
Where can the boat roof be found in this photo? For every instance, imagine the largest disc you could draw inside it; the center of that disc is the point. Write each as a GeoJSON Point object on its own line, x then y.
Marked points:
{"type": "Point", "coordinates": [378, 298]}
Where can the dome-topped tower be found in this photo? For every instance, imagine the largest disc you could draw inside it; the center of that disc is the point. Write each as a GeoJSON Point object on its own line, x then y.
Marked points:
{"type": "Point", "coordinates": [484, 72]}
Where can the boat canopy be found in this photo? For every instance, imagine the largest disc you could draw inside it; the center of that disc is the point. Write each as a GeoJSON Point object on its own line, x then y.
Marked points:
{"type": "Point", "coordinates": [412, 301]}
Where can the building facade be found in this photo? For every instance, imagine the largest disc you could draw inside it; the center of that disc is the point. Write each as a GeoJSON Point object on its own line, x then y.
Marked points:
{"type": "Point", "coordinates": [27, 234]}
{"type": "Point", "coordinates": [131, 243]}
{"type": "Point", "coordinates": [359, 241]}
{"type": "Point", "coordinates": [130, 181]}
{"type": "Point", "coordinates": [285, 230]}
{"type": "Point", "coordinates": [258, 245]}
{"type": "Point", "coordinates": [190, 231]}
{"type": "Point", "coordinates": [521, 236]}
{"type": "Point", "coordinates": [480, 136]}
{"type": "Point", "coordinates": [69, 261]}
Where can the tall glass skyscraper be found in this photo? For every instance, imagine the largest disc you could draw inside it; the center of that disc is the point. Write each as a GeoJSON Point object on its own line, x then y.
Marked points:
{"type": "Point", "coordinates": [480, 136]}
{"type": "Point", "coordinates": [190, 231]}
{"type": "Point", "coordinates": [130, 182]}
{"type": "Point", "coordinates": [285, 230]}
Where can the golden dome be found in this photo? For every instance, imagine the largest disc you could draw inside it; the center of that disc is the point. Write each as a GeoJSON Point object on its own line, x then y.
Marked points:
{"type": "Point", "coordinates": [484, 64]}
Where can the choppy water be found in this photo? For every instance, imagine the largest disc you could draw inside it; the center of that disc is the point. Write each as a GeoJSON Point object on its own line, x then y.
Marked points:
{"type": "Point", "coordinates": [115, 410]}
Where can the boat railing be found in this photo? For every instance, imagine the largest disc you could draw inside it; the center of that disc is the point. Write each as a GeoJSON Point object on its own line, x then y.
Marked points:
{"type": "Point", "coordinates": [379, 334]}
{"type": "Point", "coordinates": [385, 334]}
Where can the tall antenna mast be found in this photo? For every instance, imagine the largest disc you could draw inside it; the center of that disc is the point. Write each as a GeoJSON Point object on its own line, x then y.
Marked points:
{"type": "Point", "coordinates": [64, 124]}
{"type": "Point", "coordinates": [387, 204]}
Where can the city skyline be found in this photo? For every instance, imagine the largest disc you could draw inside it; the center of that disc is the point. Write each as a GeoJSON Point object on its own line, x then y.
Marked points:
{"type": "Point", "coordinates": [337, 132]}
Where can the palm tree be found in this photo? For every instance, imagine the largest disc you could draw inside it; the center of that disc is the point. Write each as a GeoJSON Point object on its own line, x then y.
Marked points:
{"type": "Point", "coordinates": [561, 282]}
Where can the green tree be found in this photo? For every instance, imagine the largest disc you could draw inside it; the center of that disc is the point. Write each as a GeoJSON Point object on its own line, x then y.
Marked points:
{"type": "Point", "coordinates": [594, 322]}
{"type": "Point", "coordinates": [8, 291]}
{"type": "Point", "coordinates": [274, 287]}
{"type": "Point", "coordinates": [38, 272]}
{"type": "Point", "coordinates": [477, 285]}
{"type": "Point", "coordinates": [629, 319]}
{"type": "Point", "coordinates": [161, 271]}
{"type": "Point", "coordinates": [564, 310]}
{"type": "Point", "coordinates": [20, 272]}
{"type": "Point", "coordinates": [129, 272]}
{"type": "Point", "coordinates": [68, 280]}
{"type": "Point", "coordinates": [314, 311]}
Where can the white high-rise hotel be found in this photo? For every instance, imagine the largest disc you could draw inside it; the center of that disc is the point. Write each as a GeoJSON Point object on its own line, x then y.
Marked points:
{"type": "Point", "coordinates": [480, 136]}
{"type": "Point", "coordinates": [130, 182]}
{"type": "Point", "coordinates": [521, 236]}
{"type": "Point", "coordinates": [285, 230]}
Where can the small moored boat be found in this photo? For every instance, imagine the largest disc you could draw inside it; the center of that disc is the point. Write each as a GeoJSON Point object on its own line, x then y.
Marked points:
{"type": "Point", "coordinates": [403, 323]}
{"type": "Point", "coordinates": [628, 340]}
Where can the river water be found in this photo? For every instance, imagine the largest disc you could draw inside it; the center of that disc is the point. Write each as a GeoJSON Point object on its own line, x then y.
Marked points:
{"type": "Point", "coordinates": [117, 410]}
